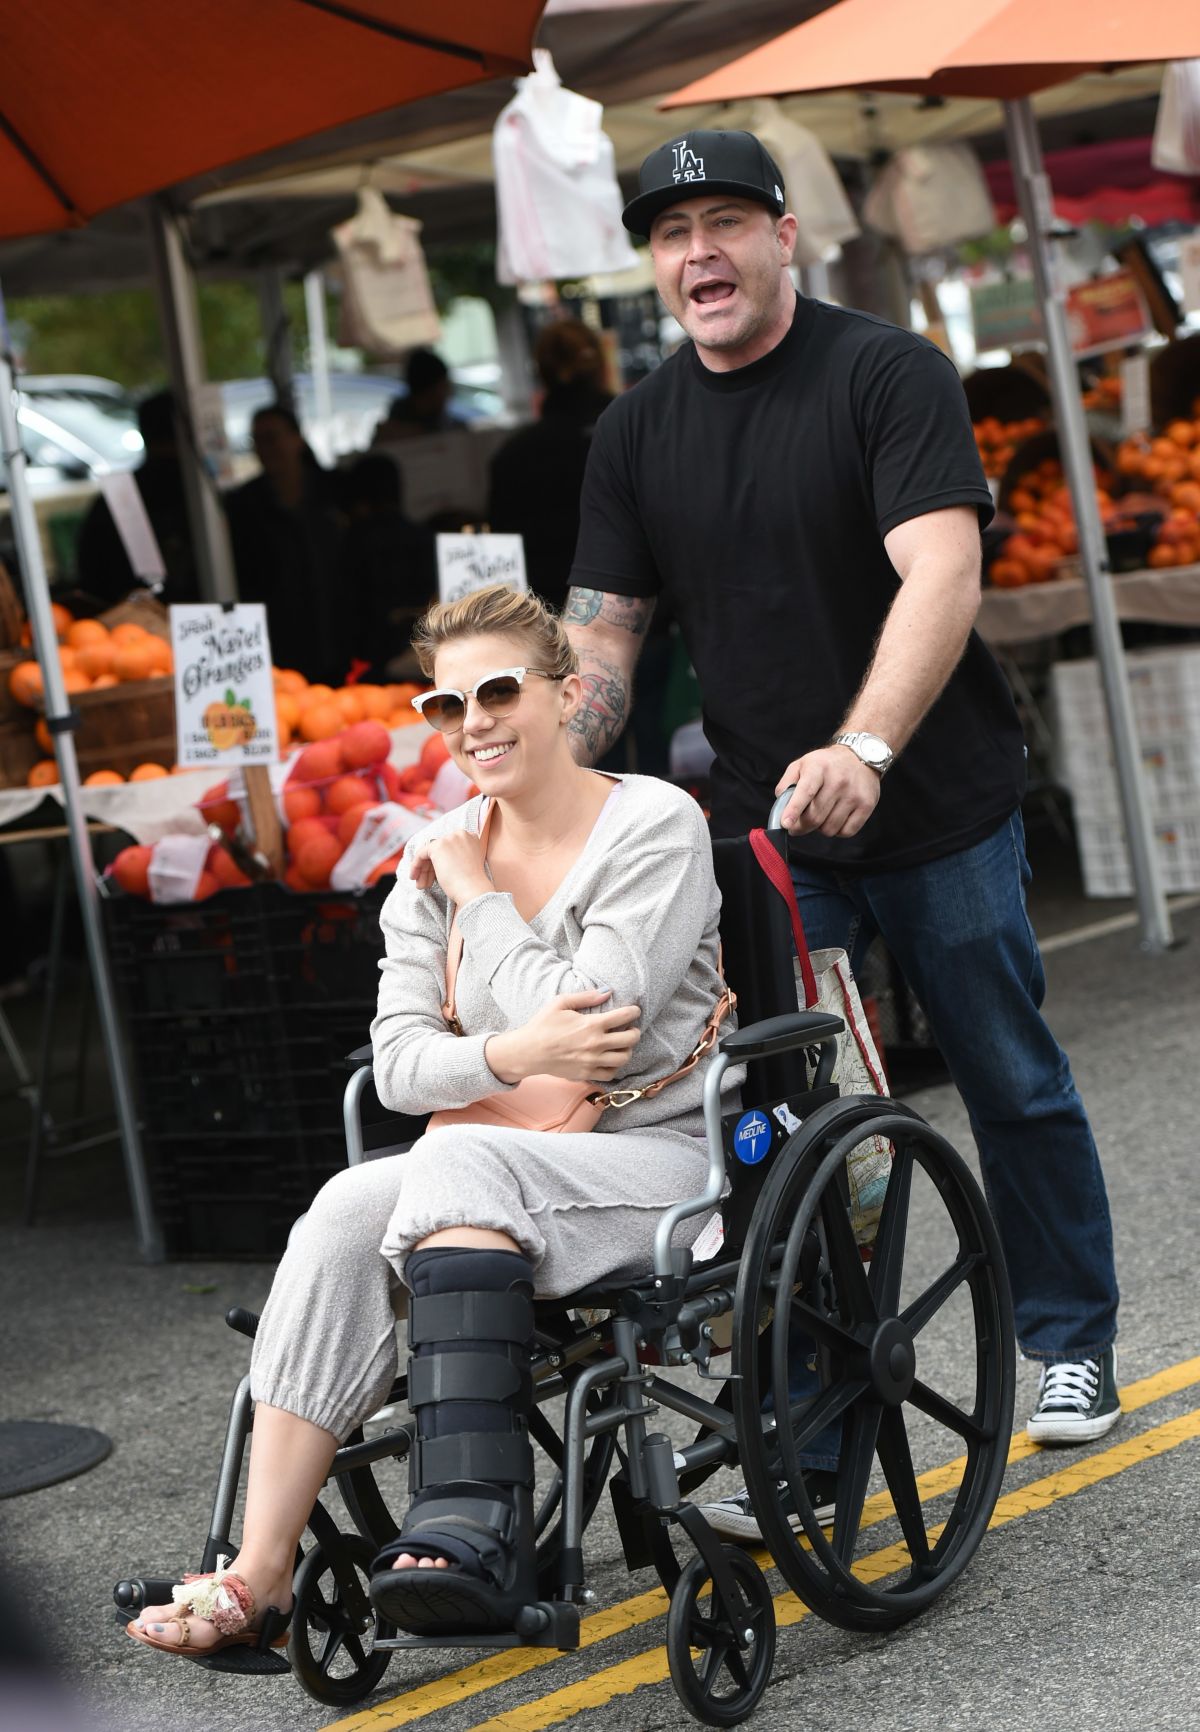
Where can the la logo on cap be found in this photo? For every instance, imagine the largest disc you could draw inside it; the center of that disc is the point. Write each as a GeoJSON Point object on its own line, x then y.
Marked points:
{"type": "Point", "coordinates": [688, 166]}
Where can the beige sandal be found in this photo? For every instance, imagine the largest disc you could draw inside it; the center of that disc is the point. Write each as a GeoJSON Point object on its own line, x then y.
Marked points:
{"type": "Point", "coordinates": [224, 1599]}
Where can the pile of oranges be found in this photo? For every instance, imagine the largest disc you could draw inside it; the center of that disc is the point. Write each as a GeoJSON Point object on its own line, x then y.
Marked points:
{"type": "Point", "coordinates": [331, 786]}
{"type": "Point", "coordinates": [93, 657]}
{"type": "Point", "coordinates": [1169, 465]}
{"type": "Point", "coordinates": [1046, 533]}
{"type": "Point", "coordinates": [319, 712]}
{"type": "Point", "coordinates": [998, 440]}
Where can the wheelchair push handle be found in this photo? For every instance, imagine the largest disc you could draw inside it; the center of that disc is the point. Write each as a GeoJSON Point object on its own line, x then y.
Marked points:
{"type": "Point", "coordinates": [775, 821]}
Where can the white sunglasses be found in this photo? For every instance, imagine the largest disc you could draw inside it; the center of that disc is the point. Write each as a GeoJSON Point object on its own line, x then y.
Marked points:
{"type": "Point", "coordinates": [496, 694]}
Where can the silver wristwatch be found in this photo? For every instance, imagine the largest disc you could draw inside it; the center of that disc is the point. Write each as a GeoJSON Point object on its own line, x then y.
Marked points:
{"type": "Point", "coordinates": [869, 749]}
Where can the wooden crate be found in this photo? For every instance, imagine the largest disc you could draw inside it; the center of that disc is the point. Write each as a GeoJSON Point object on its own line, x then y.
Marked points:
{"type": "Point", "coordinates": [10, 709]}
{"type": "Point", "coordinates": [19, 750]}
{"type": "Point", "coordinates": [126, 725]}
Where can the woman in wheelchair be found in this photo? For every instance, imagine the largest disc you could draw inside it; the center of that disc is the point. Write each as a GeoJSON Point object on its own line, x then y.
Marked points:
{"type": "Point", "coordinates": [587, 909]}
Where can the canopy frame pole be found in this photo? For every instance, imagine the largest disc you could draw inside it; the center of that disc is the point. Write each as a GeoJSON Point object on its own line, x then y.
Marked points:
{"type": "Point", "coordinates": [277, 335]}
{"type": "Point", "coordinates": [60, 720]}
{"type": "Point", "coordinates": [318, 364]}
{"type": "Point", "coordinates": [175, 289]}
{"type": "Point", "coordinates": [1034, 200]}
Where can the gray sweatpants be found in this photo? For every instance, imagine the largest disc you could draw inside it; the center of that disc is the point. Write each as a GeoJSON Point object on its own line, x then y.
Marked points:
{"type": "Point", "coordinates": [581, 1206]}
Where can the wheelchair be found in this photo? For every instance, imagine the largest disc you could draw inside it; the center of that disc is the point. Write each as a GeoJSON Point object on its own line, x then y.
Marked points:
{"type": "Point", "coordinates": [904, 1323]}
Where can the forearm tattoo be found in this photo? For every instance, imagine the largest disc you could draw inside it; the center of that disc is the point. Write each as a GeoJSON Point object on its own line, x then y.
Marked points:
{"type": "Point", "coordinates": [631, 612]}
{"type": "Point", "coordinates": [601, 718]}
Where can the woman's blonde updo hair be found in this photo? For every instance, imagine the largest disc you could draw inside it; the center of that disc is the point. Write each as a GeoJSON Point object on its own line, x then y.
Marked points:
{"type": "Point", "coordinates": [502, 611]}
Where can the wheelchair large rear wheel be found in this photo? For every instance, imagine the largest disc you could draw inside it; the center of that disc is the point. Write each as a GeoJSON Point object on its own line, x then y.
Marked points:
{"type": "Point", "coordinates": [909, 1352]}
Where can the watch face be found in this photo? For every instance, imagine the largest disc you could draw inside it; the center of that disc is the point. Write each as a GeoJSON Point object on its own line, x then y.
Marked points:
{"type": "Point", "coordinates": [873, 750]}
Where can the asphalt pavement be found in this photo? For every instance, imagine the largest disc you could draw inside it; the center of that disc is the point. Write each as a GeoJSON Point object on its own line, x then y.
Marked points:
{"type": "Point", "coordinates": [1080, 1610]}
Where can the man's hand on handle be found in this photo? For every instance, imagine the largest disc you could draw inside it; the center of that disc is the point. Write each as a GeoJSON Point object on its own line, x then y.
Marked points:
{"type": "Point", "coordinates": [835, 793]}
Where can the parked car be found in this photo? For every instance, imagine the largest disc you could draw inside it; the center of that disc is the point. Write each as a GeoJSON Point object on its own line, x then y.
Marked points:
{"type": "Point", "coordinates": [73, 428]}
{"type": "Point", "coordinates": [360, 402]}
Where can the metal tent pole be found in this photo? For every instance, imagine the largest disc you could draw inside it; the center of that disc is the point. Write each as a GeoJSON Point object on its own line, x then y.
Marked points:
{"type": "Point", "coordinates": [1033, 198]}
{"type": "Point", "coordinates": [277, 335]}
{"type": "Point", "coordinates": [175, 288]}
{"type": "Point", "coordinates": [60, 720]}
{"type": "Point", "coordinates": [318, 365]}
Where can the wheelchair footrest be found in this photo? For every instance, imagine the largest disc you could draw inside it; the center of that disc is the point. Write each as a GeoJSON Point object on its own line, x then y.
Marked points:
{"type": "Point", "coordinates": [548, 1624]}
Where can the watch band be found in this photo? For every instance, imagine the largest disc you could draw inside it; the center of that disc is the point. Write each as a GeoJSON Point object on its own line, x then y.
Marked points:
{"type": "Point", "coordinates": [884, 757]}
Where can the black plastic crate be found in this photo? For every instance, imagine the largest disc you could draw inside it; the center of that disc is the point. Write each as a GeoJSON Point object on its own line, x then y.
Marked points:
{"type": "Point", "coordinates": [239, 1012]}
{"type": "Point", "coordinates": [237, 1196]}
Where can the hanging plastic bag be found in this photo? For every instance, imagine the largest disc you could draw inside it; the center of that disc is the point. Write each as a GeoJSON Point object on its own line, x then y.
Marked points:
{"type": "Point", "coordinates": [930, 197]}
{"type": "Point", "coordinates": [1176, 145]}
{"type": "Point", "coordinates": [387, 303]}
{"type": "Point", "coordinates": [175, 867]}
{"type": "Point", "coordinates": [558, 203]}
{"type": "Point", "coordinates": [379, 839]}
{"type": "Point", "coordinates": [815, 194]}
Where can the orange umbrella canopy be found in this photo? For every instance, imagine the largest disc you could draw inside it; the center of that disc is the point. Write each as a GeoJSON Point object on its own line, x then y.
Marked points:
{"type": "Point", "coordinates": [104, 102]}
{"type": "Point", "coordinates": [989, 48]}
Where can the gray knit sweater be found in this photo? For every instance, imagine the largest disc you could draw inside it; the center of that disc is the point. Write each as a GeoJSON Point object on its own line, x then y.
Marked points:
{"type": "Point", "coordinates": [636, 913]}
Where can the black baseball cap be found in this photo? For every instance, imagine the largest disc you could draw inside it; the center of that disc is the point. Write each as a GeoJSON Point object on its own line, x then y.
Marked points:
{"type": "Point", "coordinates": [702, 162]}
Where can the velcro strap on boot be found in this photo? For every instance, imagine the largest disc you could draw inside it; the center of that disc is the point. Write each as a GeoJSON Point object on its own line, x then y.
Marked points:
{"type": "Point", "coordinates": [464, 1377]}
{"type": "Point", "coordinates": [488, 1515]}
{"type": "Point", "coordinates": [434, 1317]}
{"type": "Point", "coordinates": [497, 1457]}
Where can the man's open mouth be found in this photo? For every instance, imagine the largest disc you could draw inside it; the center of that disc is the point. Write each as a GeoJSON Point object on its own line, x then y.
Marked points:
{"type": "Point", "coordinates": [491, 754]}
{"type": "Point", "coordinates": [707, 294]}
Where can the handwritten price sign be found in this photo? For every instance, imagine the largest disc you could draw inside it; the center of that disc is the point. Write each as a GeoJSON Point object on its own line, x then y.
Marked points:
{"type": "Point", "coordinates": [224, 692]}
{"type": "Point", "coordinates": [470, 562]}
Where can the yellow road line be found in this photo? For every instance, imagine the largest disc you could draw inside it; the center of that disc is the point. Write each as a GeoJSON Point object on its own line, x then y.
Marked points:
{"type": "Point", "coordinates": [502, 1668]}
{"type": "Point", "coordinates": [652, 1668]}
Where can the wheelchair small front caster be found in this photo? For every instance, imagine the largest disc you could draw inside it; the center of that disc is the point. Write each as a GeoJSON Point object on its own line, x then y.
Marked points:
{"type": "Point", "coordinates": [332, 1644]}
{"type": "Point", "coordinates": [720, 1666]}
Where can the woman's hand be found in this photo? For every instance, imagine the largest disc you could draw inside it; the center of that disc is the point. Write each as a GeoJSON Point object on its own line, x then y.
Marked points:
{"type": "Point", "coordinates": [455, 861]}
{"type": "Point", "coordinates": [561, 1041]}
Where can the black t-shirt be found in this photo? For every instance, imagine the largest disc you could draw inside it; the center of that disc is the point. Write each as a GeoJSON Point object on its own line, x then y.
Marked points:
{"type": "Point", "coordinates": [757, 501]}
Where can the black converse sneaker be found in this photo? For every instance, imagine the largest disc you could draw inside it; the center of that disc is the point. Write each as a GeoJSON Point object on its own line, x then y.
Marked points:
{"type": "Point", "coordinates": [733, 1517]}
{"type": "Point", "coordinates": [1077, 1401]}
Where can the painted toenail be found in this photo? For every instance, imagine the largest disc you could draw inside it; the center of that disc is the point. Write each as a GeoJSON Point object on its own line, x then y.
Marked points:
{"type": "Point", "coordinates": [158, 1628]}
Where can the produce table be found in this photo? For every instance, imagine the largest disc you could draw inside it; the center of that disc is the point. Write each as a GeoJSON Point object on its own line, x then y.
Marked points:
{"type": "Point", "coordinates": [167, 806]}
{"type": "Point", "coordinates": [1013, 616]}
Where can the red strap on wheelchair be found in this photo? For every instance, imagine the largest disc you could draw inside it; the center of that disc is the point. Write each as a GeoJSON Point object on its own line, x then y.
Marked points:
{"type": "Point", "coordinates": [776, 870]}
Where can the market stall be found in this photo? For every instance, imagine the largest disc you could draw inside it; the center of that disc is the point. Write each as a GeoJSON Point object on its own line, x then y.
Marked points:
{"type": "Point", "coordinates": [1007, 52]}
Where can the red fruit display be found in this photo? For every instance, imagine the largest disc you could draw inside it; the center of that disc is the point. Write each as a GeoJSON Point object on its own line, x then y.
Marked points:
{"type": "Point", "coordinates": [434, 753]}
{"type": "Point", "coordinates": [225, 869]}
{"type": "Point", "coordinates": [316, 860]}
{"type": "Point", "coordinates": [350, 820]}
{"type": "Point", "coordinates": [305, 831]}
{"type": "Point", "coordinates": [319, 762]}
{"type": "Point", "coordinates": [364, 744]}
{"type": "Point", "coordinates": [301, 802]}
{"type": "Point", "coordinates": [131, 868]}
{"type": "Point", "coordinates": [348, 791]}
{"type": "Point", "coordinates": [218, 808]}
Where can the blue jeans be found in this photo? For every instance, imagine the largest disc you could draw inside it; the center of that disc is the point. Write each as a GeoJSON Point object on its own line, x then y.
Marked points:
{"type": "Point", "coordinates": [959, 930]}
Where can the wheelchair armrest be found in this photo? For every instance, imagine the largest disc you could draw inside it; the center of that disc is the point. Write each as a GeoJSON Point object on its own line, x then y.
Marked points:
{"type": "Point", "coordinates": [776, 1034]}
{"type": "Point", "coordinates": [360, 1056]}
